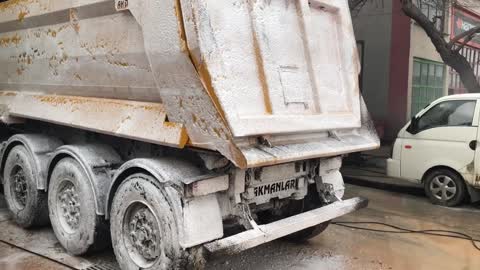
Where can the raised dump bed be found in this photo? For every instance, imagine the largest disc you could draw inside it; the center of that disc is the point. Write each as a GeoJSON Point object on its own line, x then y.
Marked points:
{"type": "Point", "coordinates": [223, 110]}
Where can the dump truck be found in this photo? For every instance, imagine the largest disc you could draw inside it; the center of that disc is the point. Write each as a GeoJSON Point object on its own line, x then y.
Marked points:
{"type": "Point", "coordinates": [177, 128]}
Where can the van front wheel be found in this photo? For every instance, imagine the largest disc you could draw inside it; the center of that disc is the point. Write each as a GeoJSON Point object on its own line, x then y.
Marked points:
{"type": "Point", "coordinates": [445, 187]}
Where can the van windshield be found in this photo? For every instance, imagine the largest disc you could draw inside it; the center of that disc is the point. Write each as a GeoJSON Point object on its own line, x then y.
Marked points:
{"type": "Point", "coordinates": [448, 113]}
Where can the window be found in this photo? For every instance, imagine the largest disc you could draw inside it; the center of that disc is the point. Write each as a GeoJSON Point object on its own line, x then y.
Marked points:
{"type": "Point", "coordinates": [427, 83]}
{"type": "Point", "coordinates": [473, 57]}
{"type": "Point", "coordinates": [448, 113]}
{"type": "Point", "coordinates": [433, 9]}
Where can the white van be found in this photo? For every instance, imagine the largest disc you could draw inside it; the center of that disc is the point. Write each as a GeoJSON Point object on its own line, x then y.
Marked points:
{"type": "Point", "coordinates": [438, 148]}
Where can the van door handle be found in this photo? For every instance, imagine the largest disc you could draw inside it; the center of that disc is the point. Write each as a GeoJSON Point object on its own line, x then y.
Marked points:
{"type": "Point", "coordinates": [473, 145]}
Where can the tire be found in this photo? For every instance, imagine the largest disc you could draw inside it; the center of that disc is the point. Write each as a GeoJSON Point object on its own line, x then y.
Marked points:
{"type": "Point", "coordinates": [445, 187]}
{"type": "Point", "coordinates": [143, 228]}
{"type": "Point", "coordinates": [71, 205]}
{"type": "Point", "coordinates": [27, 204]}
{"type": "Point", "coordinates": [308, 233]}
{"type": "Point", "coordinates": [294, 207]}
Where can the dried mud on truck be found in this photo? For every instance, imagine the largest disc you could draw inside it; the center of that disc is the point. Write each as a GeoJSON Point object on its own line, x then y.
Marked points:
{"type": "Point", "coordinates": [176, 126]}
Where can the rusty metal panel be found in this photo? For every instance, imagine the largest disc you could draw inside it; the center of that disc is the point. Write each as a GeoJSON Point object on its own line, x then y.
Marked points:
{"type": "Point", "coordinates": [142, 121]}
{"type": "Point", "coordinates": [277, 67]}
{"type": "Point", "coordinates": [86, 48]}
{"type": "Point", "coordinates": [79, 48]}
{"type": "Point", "coordinates": [306, 146]}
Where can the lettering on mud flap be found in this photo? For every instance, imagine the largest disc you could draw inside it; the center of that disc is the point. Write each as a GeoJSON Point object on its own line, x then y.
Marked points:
{"type": "Point", "coordinates": [275, 187]}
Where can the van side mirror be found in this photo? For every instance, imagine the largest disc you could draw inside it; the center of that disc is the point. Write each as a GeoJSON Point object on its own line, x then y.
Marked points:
{"type": "Point", "coordinates": [413, 127]}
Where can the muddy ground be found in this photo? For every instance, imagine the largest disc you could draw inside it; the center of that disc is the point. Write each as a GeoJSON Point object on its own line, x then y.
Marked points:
{"type": "Point", "coordinates": [337, 248]}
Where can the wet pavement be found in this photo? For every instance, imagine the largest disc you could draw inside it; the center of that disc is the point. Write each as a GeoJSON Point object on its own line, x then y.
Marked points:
{"type": "Point", "coordinates": [337, 248]}
{"type": "Point", "coordinates": [343, 248]}
{"type": "Point", "coordinates": [12, 258]}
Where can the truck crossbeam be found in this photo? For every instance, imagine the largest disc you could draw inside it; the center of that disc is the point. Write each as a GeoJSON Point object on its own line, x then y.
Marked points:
{"type": "Point", "coordinates": [269, 232]}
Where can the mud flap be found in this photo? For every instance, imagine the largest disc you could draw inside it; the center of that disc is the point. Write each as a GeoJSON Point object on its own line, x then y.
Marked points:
{"type": "Point", "coordinates": [474, 193]}
{"type": "Point", "coordinates": [269, 232]}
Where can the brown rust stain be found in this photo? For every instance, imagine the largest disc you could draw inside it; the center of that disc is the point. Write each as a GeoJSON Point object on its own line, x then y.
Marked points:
{"type": "Point", "coordinates": [8, 41]}
{"type": "Point", "coordinates": [52, 33]}
{"type": "Point", "coordinates": [194, 118]}
{"type": "Point", "coordinates": [63, 27]}
{"type": "Point", "coordinates": [55, 100]}
{"type": "Point", "coordinates": [118, 63]}
{"type": "Point", "coordinates": [8, 94]}
{"type": "Point", "coordinates": [261, 74]}
{"type": "Point", "coordinates": [64, 58]}
{"type": "Point", "coordinates": [74, 20]}
{"type": "Point", "coordinates": [206, 80]}
{"type": "Point", "coordinates": [183, 137]}
{"type": "Point", "coordinates": [12, 3]}
{"type": "Point", "coordinates": [152, 108]}
{"type": "Point", "coordinates": [76, 27]}
{"type": "Point", "coordinates": [75, 100]}
{"type": "Point", "coordinates": [181, 26]}
{"type": "Point", "coordinates": [201, 68]}
{"type": "Point", "coordinates": [260, 64]}
{"type": "Point", "coordinates": [21, 15]}
{"type": "Point", "coordinates": [172, 125]}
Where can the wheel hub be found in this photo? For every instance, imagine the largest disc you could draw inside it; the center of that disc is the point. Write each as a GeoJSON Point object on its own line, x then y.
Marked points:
{"type": "Point", "coordinates": [19, 186]}
{"type": "Point", "coordinates": [143, 234]}
{"type": "Point", "coordinates": [70, 206]}
{"type": "Point", "coordinates": [443, 188]}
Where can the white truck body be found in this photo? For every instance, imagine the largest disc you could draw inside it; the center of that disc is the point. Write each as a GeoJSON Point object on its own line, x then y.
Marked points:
{"type": "Point", "coordinates": [262, 83]}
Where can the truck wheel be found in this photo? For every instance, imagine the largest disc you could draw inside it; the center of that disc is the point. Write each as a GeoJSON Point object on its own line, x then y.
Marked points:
{"type": "Point", "coordinates": [143, 227]}
{"type": "Point", "coordinates": [27, 204]}
{"type": "Point", "coordinates": [295, 207]}
{"type": "Point", "coordinates": [298, 207]}
{"type": "Point", "coordinates": [307, 233]}
{"type": "Point", "coordinates": [71, 204]}
{"type": "Point", "coordinates": [445, 187]}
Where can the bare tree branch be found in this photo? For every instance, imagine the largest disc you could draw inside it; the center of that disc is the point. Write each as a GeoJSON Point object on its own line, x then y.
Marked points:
{"type": "Point", "coordinates": [450, 56]}
{"type": "Point", "coordinates": [355, 3]}
{"type": "Point", "coordinates": [458, 48]}
{"type": "Point", "coordinates": [355, 6]}
{"type": "Point", "coordinates": [467, 34]}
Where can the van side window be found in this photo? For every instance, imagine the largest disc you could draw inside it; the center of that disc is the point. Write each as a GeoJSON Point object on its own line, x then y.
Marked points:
{"type": "Point", "coordinates": [448, 113]}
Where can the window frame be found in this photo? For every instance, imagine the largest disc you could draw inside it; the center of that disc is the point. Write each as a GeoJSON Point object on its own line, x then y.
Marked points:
{"type": "Point", "coordinates": [475, 118]}
{"type": "Point", "coordinates": [423, 83]}
{"type": "Point", "coordinates": [428, 9]}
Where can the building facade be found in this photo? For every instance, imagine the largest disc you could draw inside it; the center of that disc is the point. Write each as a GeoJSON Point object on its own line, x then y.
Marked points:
{"type": "Point", "coordinates": [401, 70]}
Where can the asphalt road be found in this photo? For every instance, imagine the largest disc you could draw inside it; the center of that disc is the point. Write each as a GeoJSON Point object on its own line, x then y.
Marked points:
{"type": "Point", "coordinates": [337, 248]}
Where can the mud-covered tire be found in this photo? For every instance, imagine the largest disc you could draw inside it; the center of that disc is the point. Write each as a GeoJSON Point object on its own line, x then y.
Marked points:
{"type": "Point", "coordinates": [71, 204]}
{"type": "Point", "coordinates": [27, 204]}
{"type": "Point", "coordinates": [143, 228]}
{"type": "Point", "coordinates": [445, 187]}
{"type": "Point", "coordinates": [295, 207]}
